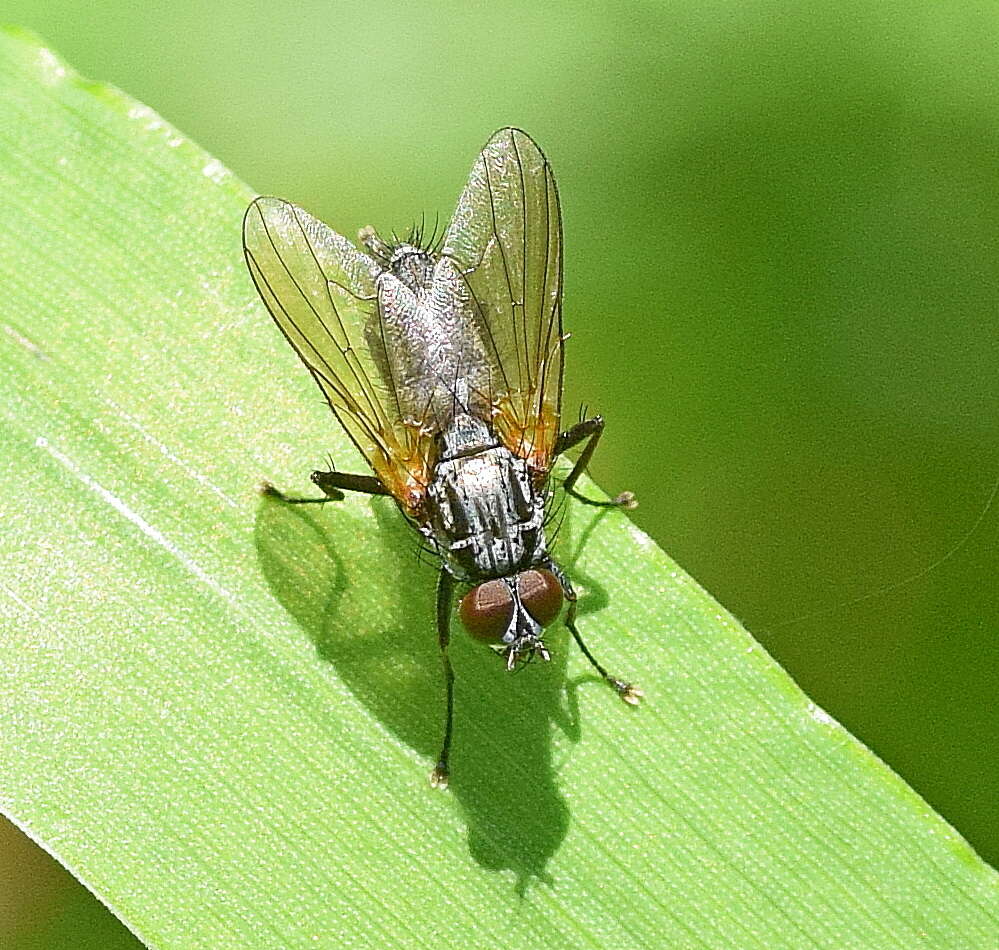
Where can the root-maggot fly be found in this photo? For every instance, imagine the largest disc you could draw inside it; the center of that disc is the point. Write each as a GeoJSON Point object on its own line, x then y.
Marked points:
{"type": "Point", "coordinates": [442, 359]}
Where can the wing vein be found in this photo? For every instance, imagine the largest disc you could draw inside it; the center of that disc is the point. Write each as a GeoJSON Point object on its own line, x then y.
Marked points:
{"type": "Point", "coordinates": [506, 267]}
{"type": "Point", "coordinates": [360, 376]}
{"type": "Point", "coordinates": [525, 260]}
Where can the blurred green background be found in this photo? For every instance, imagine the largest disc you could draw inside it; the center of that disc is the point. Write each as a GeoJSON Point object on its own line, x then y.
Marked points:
{"type": "Point", "coordinates": [782, 279]}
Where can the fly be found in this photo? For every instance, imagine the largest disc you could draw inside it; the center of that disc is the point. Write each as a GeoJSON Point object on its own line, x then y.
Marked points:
{"type": "Point", "coordinates": [443, 362]}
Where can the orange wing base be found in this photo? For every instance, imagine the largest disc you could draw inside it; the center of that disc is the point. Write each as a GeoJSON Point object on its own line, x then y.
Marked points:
{"type": "Point", "coordinates": [529, 431]}
{"type": "Point", "coordinates": [404, 469]}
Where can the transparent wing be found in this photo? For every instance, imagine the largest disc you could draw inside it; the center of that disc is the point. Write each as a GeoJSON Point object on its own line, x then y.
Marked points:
{"type": "Point", "coordinates": [321, 292]}
{"type": "Point", "coordinates": [506, 235]}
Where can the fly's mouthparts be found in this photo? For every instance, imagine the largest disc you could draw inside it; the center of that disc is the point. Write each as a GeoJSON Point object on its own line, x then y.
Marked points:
{"type": "Point", "coordinates": [524, 651]}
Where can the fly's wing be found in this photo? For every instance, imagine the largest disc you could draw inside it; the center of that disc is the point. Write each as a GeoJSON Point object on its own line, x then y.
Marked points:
{"type": "Point", "coordinates": [321, 292]}
{"type": "Point", "coordinates": [506, 235]}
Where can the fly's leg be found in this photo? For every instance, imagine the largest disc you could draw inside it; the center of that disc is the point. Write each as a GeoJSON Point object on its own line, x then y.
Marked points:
{"type": "Point", "coordinates": [330, 484]}
{"type": "Point", "coordinates": [631, 693]}
{"type": "Point", "coordinates": [445, 591]}
{"type": "Point", "coordinates": [589, 430]}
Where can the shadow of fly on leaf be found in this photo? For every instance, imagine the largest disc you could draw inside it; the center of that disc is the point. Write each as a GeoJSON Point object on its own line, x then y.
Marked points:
{"type": "Point", "coordinates": [506, 777]}
{"type": "Point", "coordinates": [442, 358]}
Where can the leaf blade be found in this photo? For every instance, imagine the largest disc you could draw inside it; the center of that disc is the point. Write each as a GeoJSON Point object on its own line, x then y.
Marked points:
{"type": "Point", "coordinates": [219, 713]}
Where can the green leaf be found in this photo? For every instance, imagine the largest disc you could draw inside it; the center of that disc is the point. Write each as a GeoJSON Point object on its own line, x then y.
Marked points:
{"type": "Point", "coordinates": [219, 711]}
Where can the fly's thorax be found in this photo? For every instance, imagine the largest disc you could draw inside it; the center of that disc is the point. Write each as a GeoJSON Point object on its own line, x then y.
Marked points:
{"type": "Point", "coordinates": [485, 516]}
{"type": "Point", "coordinates": [466, 435]}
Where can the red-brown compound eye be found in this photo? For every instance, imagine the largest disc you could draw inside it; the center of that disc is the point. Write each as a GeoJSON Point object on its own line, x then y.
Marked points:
{"type": "Point", "coordinates": [541, 593]}
{"type": "Point", "coordinates": [486, 610]}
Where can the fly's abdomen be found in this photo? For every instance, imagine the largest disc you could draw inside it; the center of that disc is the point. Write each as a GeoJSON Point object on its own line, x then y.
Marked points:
{"type": "Point", "coordinates": [433, 355]}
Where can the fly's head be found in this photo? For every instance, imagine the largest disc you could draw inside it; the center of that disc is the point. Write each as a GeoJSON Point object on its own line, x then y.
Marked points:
{"type": "Point", "coordinates": [510, 613]}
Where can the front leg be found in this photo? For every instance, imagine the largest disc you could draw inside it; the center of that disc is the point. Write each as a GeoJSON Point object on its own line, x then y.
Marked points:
{"type": "Point", "coordinates": [445, 594]}
{"type": "Point", "coordinates": [330, 484]}
{"type": "Point", "coordinates": [631, 693]}
{"type": "Point", "coordinates": [589, 429]}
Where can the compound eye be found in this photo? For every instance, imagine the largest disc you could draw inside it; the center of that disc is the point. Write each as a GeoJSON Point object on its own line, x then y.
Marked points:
{"type": "Point", "coordinates": [486, 610]}
{"type": "Point", "coordinates": [541, 593]}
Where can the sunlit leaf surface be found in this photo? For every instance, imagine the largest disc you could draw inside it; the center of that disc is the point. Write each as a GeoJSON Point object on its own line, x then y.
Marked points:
{"type": "Point", "coordinates": [219, 712]}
